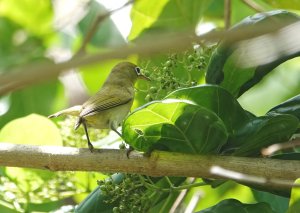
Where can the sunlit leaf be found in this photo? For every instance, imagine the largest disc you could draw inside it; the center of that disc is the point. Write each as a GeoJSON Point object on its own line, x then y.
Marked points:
{"type": "Point", "coordinates": [165, 15]}
{"type": "Point", "coordinates": [294, 205]}
{"type": "Point", "coordinates": [35, 16]}
{"type": "Point", "coordinates": [292, 5]}
{"type": "Point", "coordinates": [175, 125]}
{"type": "Point", "coordinates": [33, 129]}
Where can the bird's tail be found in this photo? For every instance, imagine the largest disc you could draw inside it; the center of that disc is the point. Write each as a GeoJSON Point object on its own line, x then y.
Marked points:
{"type": "Point", "coordinates": [74, 111]}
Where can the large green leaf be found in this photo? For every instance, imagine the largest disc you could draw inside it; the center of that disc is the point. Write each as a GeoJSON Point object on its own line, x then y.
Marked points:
{"type": "Point", "coordinates": [291, 106]}
{"type": "Point", "coordinates": [165, 15]}
{"type": "Point", "coordinates": [36, 130]}
{"type": "Point", "coordinates": [232, 205]}
{"type": "Point", "coordinates": [219, 101]}
{"type": "Point", "coordinates": [175, 125]}
{"type": "Point", "coordinates": [224, 68]}
{"type": "Point", "coordinates": [261, 132]}
{"type": "Point", "coordinates": [32, 129]}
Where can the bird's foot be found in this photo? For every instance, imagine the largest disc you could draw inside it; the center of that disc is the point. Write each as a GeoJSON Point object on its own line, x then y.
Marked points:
{"type": "Point", "coordinates": [130, 149]}
{"type": "Point", "coordinates": [91, 147]}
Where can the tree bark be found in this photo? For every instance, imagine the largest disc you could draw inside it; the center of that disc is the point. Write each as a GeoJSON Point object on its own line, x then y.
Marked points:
{"type": "Point", "coordinates": [158, 163]}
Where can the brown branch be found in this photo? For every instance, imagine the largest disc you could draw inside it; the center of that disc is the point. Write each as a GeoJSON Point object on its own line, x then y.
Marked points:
{"type": "Point", "coordinates": [227, 13]}
{"type": "Point", "coordinates": [159, 163]}
{"type": "Point", "coordinates": [254, 5]}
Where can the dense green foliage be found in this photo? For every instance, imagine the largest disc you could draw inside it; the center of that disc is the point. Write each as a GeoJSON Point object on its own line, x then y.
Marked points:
{"type": "Point", "coordinates": [199, 101]}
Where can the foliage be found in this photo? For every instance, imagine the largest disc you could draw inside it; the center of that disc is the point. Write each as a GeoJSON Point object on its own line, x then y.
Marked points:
{"type": "Point", "coordinates": [191, 106]}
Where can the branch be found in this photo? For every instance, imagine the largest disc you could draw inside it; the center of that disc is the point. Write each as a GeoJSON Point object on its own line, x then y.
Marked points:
{"type": "Point", "coordinates": [280, 146]}
{"type": "Point", "coordinates": [157, 44]}
{"type": "Point", "coordinates": [227, 13]}
{"type": "Point", "coordinates": [159, 163]}
{"type": "Point", "coordinates": [99, 18]}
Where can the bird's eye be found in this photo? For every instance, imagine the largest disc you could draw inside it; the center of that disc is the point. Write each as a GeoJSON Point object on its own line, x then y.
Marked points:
{"type": "Point", "coordinates": [138, 70]}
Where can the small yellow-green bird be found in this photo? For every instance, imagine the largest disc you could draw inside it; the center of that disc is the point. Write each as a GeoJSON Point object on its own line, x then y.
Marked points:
{"type": "Point", "coordinates": [111, 104]}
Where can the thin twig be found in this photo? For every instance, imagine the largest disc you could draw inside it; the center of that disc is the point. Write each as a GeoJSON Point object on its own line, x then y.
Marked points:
{"type": "Point", "coordinates": [254, 5]}
{"type": "Point", "coordinates": [251, 179]}
{"type": "Point", "coordinates": [99, 19]}
{"type": "Point", "coordinates": [280, 146]}
{"type": "Point", "coordinates": [227, 13]}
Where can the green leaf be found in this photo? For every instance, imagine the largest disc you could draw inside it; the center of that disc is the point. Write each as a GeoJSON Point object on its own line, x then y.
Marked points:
{"type": "Point", "coordinates": [175, 125]}
{"type": "Point", "coordinates": [34, 99]}
{"type": "Point", "coordinates": [18, 47]}
{"type": "Point", "coordinates": [165, 15]}
{"type": "Point", "coordinates": [33, 129]}
{"type": "Point", "coordinates": [223, 68]}
{"type": "Point", "coordinates": [294, 205]}
{"type": "Point", "coordinates": [232, 205]}
{"type": "Point", "coordinates": [291, 106]}
{"type": "Point", "coordinates": [261, 132]}
{"type": "Point", "coordinates": [35, 16]}
{"type": "Point", "coordinates": [36, 130]}
{"type": "Point", "coordinates": [219, 101]}
{"type": "Point", "coordinates": [287, 156]}
{"type": "Point", "coordinates": [107, 33]}
{"type": "Point", "coordinates": [278, 203]}
{"type": "Point", "coordinates": [292, 5]}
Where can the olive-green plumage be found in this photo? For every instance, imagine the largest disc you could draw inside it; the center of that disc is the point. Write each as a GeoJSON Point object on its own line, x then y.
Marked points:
{"type": "Point", "coordinates": [111, 104]}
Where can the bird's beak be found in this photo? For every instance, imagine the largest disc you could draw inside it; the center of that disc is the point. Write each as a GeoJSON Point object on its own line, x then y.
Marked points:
{"type": "Point", "coordinates": [143, 77]}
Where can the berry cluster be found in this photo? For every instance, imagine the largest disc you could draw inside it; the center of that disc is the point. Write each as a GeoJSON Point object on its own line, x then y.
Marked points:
{"type": "Point", "coordinates": [127, 196]}
{"type": "Point", "coordinates": [177, 71]}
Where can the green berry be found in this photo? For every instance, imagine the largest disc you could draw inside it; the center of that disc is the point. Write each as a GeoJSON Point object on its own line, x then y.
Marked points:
{"type": "Point", "coordinates": [116, 210]}
{"type": "Point", "coordinates": [103, 188]}
{"type": "Point", "coordinates": [153, 90]}
{"type": "Point", "coordinates": [122, 146]}
{"type": "Point", "coordinates": [169, 63]}
{"type": "Point", "coordinates": [148, 98]}
{"type": "Point", "coordinates": [191, 58]}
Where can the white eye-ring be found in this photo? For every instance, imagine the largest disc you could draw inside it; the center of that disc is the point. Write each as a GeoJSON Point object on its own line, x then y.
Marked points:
{"type": "Point", "coordinates": [137, 70]}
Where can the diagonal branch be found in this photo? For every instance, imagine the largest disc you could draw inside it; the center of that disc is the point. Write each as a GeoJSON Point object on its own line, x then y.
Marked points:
{"type": "Point", "coordinates": [159, 163]}
{"type": "Point", "coordinates": [158, 44]}
{"type": "Point", "coordinates": [99, 19]}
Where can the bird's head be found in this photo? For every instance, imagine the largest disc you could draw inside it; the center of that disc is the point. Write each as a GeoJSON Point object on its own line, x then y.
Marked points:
{"type": "Point", "coordinates": [127, 71]}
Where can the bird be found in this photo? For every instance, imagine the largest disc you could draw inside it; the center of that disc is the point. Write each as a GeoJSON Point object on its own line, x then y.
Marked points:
{"type": "Point", "coordinates": [111, 104]}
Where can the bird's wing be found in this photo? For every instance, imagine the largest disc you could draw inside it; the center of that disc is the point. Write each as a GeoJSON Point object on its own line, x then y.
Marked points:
{"type": "Point", "coordinates": [95, 105]}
